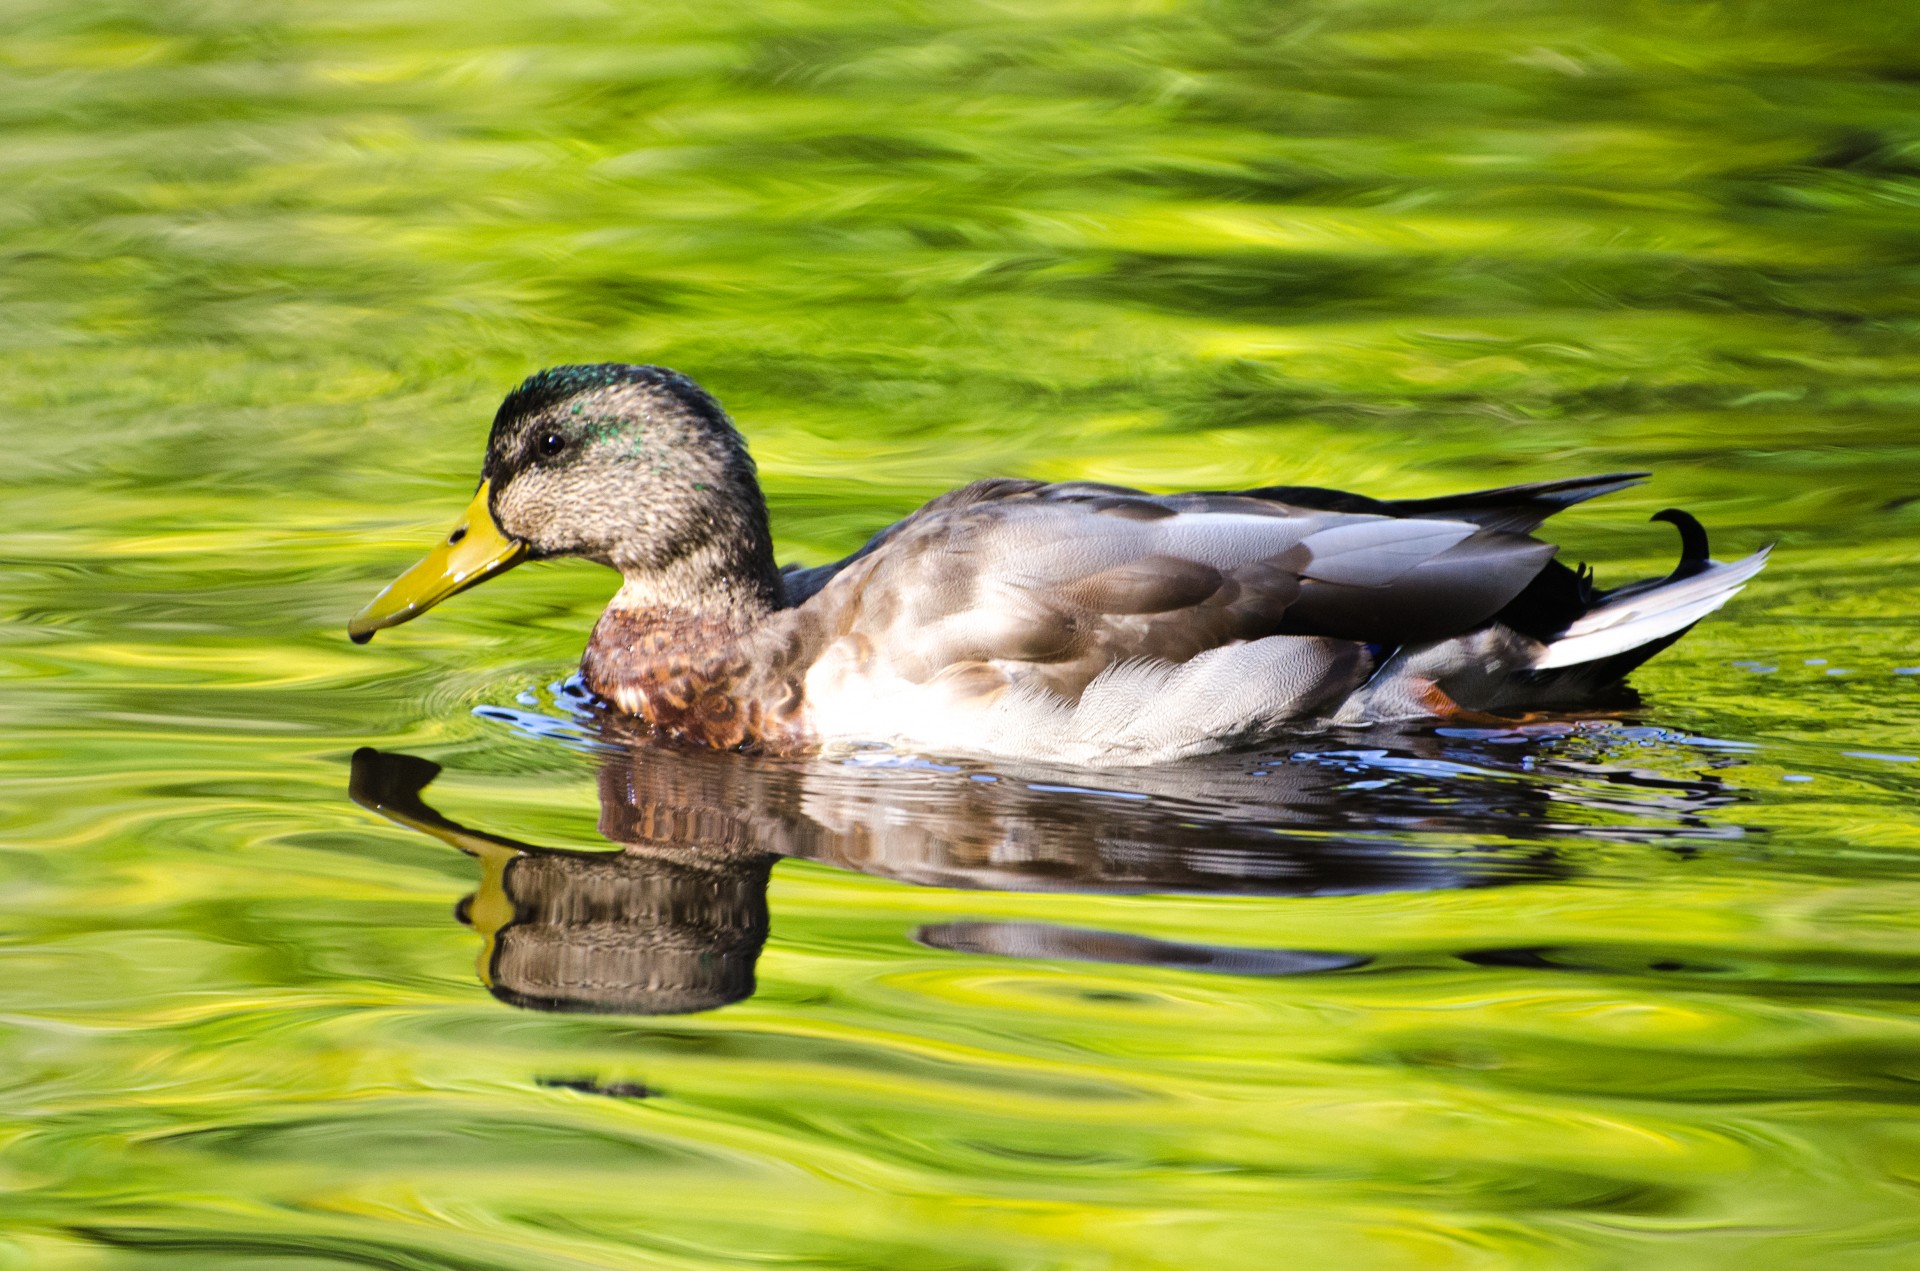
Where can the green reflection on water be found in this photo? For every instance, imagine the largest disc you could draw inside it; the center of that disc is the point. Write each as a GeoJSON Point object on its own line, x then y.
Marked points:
{"type": "Point", "coordinates": [1632, 996]}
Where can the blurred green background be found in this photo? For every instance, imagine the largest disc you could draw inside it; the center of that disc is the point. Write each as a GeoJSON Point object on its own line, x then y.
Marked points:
{"type": "Point", "coordinates": [269, 268]}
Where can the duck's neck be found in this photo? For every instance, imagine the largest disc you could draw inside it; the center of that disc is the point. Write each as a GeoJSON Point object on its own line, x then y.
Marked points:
{"type": "Point", "coordinates": [721, 570]}
{"type": "Point", "coordinates": [735, 604]}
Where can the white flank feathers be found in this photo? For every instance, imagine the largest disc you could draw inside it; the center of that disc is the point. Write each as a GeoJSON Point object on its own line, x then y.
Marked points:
{"type": "Point", "coordinates": [1134, 712]}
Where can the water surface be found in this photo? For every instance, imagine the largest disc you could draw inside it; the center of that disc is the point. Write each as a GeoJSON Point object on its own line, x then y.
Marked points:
{"type": "Point", "coordinates": [325, 956]}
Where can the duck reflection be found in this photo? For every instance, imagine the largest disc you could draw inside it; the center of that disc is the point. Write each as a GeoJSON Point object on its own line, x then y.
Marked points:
{"type": "Point", "coordinates": [671, 924]}
{"type": "Point", "coordinates": [674, 921]}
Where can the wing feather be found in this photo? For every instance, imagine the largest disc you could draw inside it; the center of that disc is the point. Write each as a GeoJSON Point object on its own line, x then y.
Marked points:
{"type": "Point", "coordinates": [1052, 586]}
{"type": "Point", "coordinates": [1376, 553]}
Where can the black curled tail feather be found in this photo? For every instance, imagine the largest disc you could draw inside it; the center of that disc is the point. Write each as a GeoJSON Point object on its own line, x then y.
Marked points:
{"type": "Point", "coordinates": [1694, 553]}
{"type": "Point", "coordinates": [1560, 596]}
{"type": "Point", "coordinates": [1694, 558]}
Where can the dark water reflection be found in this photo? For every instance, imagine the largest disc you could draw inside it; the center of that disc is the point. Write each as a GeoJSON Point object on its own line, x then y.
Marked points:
{"type": "Point", "coordinates": [675, 920]}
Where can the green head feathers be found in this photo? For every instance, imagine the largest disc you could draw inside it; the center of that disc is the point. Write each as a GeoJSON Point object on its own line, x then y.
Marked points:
{"type": "Point", "coordinates": [633, 466]}
{"type": "Point", "coordinates": [583, 405]}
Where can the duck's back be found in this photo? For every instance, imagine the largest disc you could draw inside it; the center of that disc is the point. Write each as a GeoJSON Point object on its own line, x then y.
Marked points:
{"type": "Point", "coordinates": [1093, 623]}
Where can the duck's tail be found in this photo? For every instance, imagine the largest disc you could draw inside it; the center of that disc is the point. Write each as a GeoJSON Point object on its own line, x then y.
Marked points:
{"type": "Point", "coordinates": [1567, 647]}
{"type": "Point", "coordinates": [1630, 624]}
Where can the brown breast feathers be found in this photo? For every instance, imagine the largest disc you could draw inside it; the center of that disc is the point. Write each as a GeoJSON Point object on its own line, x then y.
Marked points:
{"type": "Point", "coordinates": [701, 679]}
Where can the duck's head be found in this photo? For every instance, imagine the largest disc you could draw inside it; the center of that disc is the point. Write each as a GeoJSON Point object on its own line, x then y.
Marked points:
{"type": "Point", "coordinates": [635, 467]}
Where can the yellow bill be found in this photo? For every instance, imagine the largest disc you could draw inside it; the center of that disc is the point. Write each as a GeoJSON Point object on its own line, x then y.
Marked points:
{"type": "Point", "coordinates": [473, 552]}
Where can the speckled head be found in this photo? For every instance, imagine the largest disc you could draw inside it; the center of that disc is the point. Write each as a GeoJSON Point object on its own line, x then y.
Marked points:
{"type": "Point", "coordinates": [588, 404]}
{"type": "Point", "coordinates": [636, 467]}
{"type": "Point", "coordinates": [619, 464]}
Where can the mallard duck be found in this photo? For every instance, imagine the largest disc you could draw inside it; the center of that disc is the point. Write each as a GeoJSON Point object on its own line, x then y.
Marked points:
{"type": "Point", "coordinates": [1075, 622]}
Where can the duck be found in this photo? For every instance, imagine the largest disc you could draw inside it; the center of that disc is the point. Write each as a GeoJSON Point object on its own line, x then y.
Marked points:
{"type": "Point", "coordinates": [1073, 622]}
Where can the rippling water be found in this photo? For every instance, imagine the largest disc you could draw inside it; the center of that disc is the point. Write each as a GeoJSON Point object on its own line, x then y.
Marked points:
{"type": "Point", "coordinates": [316, 955]}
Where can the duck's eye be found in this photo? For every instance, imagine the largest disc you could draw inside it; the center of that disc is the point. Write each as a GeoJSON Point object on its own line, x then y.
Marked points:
{"type": "Point", "coordinates": [552, 443]}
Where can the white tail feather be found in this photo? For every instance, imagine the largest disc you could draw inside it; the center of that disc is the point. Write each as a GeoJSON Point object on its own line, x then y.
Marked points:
{"type": "Point", "coordinates": [1649, 615]}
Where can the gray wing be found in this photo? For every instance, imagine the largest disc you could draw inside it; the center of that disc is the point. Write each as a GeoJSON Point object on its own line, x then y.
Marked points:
{"type": "Point", "coordinates": [1516, 508]}
{"type": "Point", "coordinates": [1055, 584]}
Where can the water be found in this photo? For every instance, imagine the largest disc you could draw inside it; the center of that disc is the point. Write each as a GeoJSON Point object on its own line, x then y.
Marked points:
{"type": "Point", "coordinates": [1618, 992]}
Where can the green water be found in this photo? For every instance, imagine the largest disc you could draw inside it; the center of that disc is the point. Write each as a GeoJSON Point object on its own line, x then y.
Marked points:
{"type": "Point", "coordinates": [1638, 992]}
